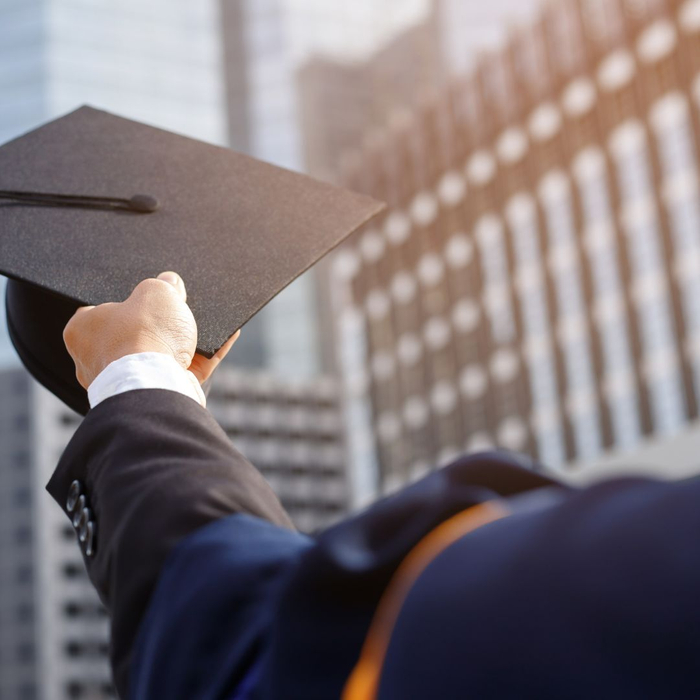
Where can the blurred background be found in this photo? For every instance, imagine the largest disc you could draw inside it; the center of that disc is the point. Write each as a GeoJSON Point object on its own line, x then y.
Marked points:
{"type": "Point", "coordinates": [534, 284]}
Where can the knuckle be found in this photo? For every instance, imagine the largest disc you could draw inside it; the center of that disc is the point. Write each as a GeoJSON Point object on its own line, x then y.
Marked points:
{"type": "Point", "coordinates": [182, 357]}
{"type": "Point", "coordinates": [148, 286]}
{"type": "Point", "coordinates": [182, 340]}
{"type": "Point", "coordinates": [156, 294]}
{"type": "Point", "coordinates": [83, 377]}
{"type": "Point", "coordinates": [70, 333]}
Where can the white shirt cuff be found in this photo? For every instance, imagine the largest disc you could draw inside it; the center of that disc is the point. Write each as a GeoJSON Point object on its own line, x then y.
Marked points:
{"type": "Point", "coordinates": [145, 370]}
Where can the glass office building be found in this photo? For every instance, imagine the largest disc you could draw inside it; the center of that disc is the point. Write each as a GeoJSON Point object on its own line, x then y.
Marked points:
{"type": "Point", "coordinates": [265, 42]}
{"type": "Point", "coordinates": [157, 62]}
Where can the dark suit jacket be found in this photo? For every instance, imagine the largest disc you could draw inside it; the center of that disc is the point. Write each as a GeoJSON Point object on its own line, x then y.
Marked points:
{"type": "Point", "coordinates": [212, 595]}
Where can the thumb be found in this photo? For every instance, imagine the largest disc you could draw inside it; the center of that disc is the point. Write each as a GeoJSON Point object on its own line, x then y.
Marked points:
{"type": "Point", "coordinates": [176, 281]}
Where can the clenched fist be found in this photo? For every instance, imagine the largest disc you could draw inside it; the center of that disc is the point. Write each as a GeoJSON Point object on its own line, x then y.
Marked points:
{"type": "Point", "coordinates": [155, 318]}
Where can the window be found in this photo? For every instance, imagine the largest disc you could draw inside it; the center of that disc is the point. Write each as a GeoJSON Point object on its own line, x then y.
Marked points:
{"type": "Point", "coordinates": [69, 419]}
{"type": "Point", "coordinates": [74, 689]}
{"type": "Point", "coordinates": [24, 574]}
{"type": "Point", "coordinates": [490, 237]}
{"type": "Point", "coordinates": [73, 649]}
{"type": "Point", "coordinates": [23, 535]}
{"type": "Point", "coordinates": [72, 609]}
{"type": "Point", "coordinates": [20, 460]}
{"type": "Point", "coordinates": [72, 570]}
{"type": "Point", "coordinates": [21, 422]}
{"type": "Point", "coordinates": [24, 612]}
{"type": "Point", "coordinates": [22, 497]}
{"type": "Point", "coordinates": [25, 652]}
{"type": "Point", "coordinates": [26, 691]}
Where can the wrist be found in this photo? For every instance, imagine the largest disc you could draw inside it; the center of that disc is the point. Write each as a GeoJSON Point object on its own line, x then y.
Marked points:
{"type": "Point", "coordinates": [146, 370]}
{"type": "Point", "coordinates": [110, 355]}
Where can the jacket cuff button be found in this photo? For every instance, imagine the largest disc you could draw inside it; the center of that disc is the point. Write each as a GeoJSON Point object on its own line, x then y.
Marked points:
{"type": "Point", "coordinates": [90, 539]}
{"type": "Point", "coordinates": [80, 506]}
{"type": "Point", "coordinates": [83, 523]}
{"type": "Point", "coordinates": [74, 492]}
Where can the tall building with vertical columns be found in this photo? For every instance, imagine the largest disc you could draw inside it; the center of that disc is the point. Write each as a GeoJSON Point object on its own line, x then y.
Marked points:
{"type": "Point", "coordinates": [157, 62]}
{"type": "Point", "coordinates": [340, 101]}
{"type": "Point", "coordinates": [54, 631]}
{"type": "Point", "coordinates": [533, 283]}
{"type": "Point", "coordinates": [269, 117]}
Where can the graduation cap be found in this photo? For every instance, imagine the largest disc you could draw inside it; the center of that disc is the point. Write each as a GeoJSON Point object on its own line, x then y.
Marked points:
{"type": "Point", "coordinates": [91, 204]}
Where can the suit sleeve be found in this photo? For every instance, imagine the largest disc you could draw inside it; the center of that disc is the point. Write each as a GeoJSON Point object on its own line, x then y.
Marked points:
{"type": "Point", "coordinates": [153, 467]}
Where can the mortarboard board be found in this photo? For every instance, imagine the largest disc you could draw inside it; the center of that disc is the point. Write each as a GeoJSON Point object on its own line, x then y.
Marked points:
{"type": "Point", "coordinates": [91, 204]}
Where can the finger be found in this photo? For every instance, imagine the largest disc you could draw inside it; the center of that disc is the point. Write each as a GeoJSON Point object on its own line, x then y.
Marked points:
{"type": "Point", "coordinates": [70, 326]}
{"type": "Point", "coordinates": [71, 329]}
{"type": "Point", "coordinates": [82, 310]}
{"type": "Point", "coordinates": [224, 349]}
{"type": "Point", "coordinates": [176, 281]}
{"type": "Point", "coordinates": [203, 367]}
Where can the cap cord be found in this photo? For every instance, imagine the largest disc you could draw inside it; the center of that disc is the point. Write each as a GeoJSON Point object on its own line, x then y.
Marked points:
{"type": "Point", "coordinates": [139, 203]}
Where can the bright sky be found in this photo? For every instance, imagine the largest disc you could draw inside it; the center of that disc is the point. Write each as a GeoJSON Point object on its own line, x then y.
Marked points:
{"type": "Point", "coordinates": [349, 29]}
{"type": "Point", "coordinates": [352, 29]}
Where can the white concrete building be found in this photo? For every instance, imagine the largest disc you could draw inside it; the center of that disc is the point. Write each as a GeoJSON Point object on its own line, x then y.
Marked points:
{"type": "Point", "coordinates": [293, 432]}
{"type": "Point", "coordinates": [53, 629]}
{"type": "Point", "coordinates": [469, 28]}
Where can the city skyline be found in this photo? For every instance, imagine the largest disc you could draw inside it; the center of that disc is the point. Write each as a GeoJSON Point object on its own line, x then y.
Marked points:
{"type": "Point", "coordinates": [532, 286]}
{"type": "Point", "coordinates": [63, 55]}
{"type": "Point", "coordinates": [57, 65]}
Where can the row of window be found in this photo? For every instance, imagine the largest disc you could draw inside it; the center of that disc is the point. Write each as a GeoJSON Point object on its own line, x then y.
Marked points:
{"type": "Point", "coordinates": [669, 412]}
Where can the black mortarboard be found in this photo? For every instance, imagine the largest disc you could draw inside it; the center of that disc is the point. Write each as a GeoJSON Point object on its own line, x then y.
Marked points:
{"type": "Point", "coordinates": [91, 204]}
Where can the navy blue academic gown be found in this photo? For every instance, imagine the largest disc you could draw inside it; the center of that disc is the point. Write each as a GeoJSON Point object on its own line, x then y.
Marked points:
{"type": "Point", "coordinates": [484, 580]}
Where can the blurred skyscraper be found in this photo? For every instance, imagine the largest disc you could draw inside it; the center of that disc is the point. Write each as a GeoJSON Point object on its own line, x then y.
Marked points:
{"type": "Point", "coordinates": [343, 95]}
{"type": "Point", "coordinates": [469, 28]}
{"type": "Point", "coordinates": [157, 62]}
{"type": "Point", "coordinates": [341, 101]}
{"type": "Point", "coordinates": [54, 633]}
{"type": "Point", "coordinates": [261, 103]}
{"type": "Point", "coordinates": [350, 31]}
{"type": "Point", "coordinates": [534, 283]}
{"type": "Point", "coordinates": [265, 41]}
{"type": "Point", "coordinates": [293, 432]}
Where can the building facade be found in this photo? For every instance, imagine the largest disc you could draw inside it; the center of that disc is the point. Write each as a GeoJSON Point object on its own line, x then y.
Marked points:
{"type": "Point", "coordinates": [261, 106]}
{"type": "Point", "coordinates": [533, 283]}
{"type": "Point", "coordinates": [341, 101]}
{"type": "Point", "coordinates": [157, 62]}
{"type": "Point", "coordinates": [54, 632]}
{"type": "Point", "coordinates": [18, 660]}
{"type": "Point", "coordinates": [305, 125]}
{"type": "Point", "coordinates": [470, 28]}
{"type": "Point", "coordinates": [293, 432]}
